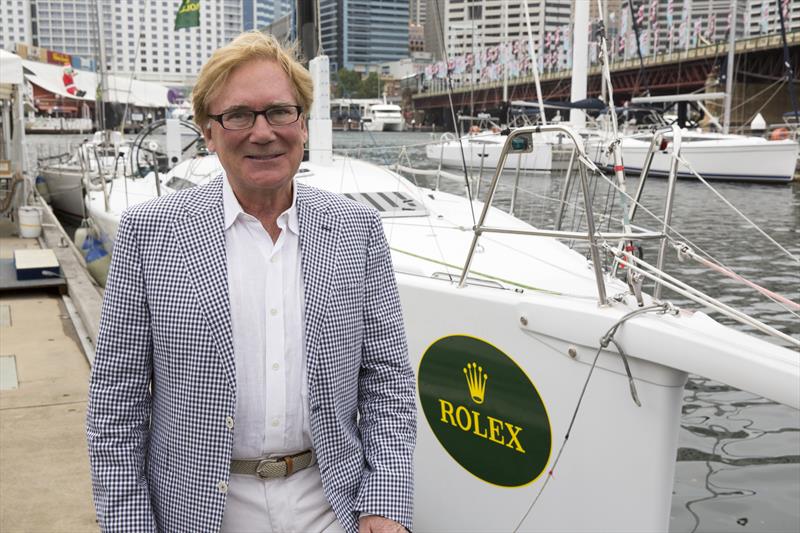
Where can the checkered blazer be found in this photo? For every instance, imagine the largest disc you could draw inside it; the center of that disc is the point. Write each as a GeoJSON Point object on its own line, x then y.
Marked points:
{"type": "Point", "coordinates": [163, 381]}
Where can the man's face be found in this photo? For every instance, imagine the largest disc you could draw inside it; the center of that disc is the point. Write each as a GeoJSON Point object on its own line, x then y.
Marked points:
{"type": "Point", "coordinates": [262, 159]}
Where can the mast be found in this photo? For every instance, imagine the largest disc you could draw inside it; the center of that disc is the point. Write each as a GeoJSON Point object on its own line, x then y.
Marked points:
{"type": "Point", "coordinates": [101, 68]}
{"type": "Point", "coordinates": [534, 64]}
{"type": "Point", "coordinates": [726, 119]}
{"type": "Point", "coordinates": [580, 51]}
{"type": "Point", "coordinates": [504, 51]}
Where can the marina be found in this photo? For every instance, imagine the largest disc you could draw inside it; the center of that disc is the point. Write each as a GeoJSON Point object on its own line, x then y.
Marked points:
{"type": "Point", "coordinates": [602, 313]}
{"type": "Point", "coordinates": [737, 453]}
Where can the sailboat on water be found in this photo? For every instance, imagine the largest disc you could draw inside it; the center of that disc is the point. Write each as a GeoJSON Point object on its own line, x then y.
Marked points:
{"type": "Point", "coordinates": [520, 341]}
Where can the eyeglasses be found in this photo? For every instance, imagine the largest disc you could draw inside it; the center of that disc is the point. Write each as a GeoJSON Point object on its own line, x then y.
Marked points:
{"type": "Point", "coordinates": [241, 119]}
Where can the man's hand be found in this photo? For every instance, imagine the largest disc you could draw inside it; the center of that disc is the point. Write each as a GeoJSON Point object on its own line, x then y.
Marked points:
{"type": "Point", "coordinates": [379, 524]}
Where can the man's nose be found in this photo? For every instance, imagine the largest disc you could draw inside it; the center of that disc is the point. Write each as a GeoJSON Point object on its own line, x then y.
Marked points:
{"type": "Point", "coordinates": [262, 130]}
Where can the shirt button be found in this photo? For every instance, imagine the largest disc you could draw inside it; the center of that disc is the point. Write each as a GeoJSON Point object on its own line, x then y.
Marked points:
{"type": "Point", "coordinates": [275, 366]}
{"type": "Point", "coordinates": [273, 259]}
{"type": "Point", "coordinates": [222, 487]}
{"type": "Point", "coordinates": [229, 422]}
{"type": "Point", "coordinates": [273, 311]}
{"type": "Point", "coordinates": [275, 422]}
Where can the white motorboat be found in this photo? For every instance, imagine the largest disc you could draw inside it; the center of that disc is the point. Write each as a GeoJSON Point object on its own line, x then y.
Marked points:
{"type": "Point", "coordinates": [383, 117]}
{"type": "Point", "coordinates": [715, 156]}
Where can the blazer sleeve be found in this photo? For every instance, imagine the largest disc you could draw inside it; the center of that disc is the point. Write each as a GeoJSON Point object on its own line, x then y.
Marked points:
{"type": "Point", "coordinates": [386, 386]}
{"type": "Point", "coordinates": [118, 412]}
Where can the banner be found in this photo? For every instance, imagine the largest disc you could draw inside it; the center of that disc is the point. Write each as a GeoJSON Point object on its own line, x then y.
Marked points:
{"type": "Point", "coordinates": [188, 14]}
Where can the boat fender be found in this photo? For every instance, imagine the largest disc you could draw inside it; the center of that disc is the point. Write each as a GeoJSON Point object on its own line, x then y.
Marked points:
{"type": "Point", "coordinates": [779, 134]}
{"type": "Point", "coordinates": [42, 189]}
{"type": "Point", "coordinates": [98, 260]}
{"type": "Point", "coordinates": [81, 234]}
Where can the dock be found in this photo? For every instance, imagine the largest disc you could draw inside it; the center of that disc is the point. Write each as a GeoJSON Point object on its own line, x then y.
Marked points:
{"type": "Point", "coordinates": [46, 335]}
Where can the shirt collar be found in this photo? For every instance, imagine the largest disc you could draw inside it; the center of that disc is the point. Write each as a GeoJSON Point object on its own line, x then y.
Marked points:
{"type": "Point", "coordinates": [233, 209]}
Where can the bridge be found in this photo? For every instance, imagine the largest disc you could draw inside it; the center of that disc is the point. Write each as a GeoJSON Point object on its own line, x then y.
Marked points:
{"type": "Point", "coordinates": [759, 64]}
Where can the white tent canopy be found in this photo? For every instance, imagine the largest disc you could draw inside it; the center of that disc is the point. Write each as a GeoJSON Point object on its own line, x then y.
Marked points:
{"type": "Point", "coordinates": [10, 73]}
{"type": "Point", "coordinates": [121, 90]}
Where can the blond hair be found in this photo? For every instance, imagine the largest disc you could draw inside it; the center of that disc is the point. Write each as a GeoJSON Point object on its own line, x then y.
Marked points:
{"type": "Point", "coordinates": [249, 46]}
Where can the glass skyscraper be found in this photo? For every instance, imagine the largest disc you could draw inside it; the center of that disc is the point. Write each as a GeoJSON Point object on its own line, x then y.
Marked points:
{"type": "Point", "coordinates": [358, 33]}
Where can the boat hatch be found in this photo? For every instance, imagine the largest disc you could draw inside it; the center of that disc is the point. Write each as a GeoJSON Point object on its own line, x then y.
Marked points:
{"type": "Point", "coordinates": [390, 204]}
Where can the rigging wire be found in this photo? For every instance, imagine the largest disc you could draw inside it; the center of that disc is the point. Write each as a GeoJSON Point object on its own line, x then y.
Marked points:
{"type": "Point", "coordinates": [453, 112]}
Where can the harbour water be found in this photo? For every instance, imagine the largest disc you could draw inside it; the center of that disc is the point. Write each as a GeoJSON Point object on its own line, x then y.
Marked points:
{"type": "Point", "coordinates": [738, 455]}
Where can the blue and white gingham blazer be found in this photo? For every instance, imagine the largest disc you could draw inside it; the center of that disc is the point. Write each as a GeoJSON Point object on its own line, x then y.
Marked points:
{"type": "Point", "coordinates": [163, 381]}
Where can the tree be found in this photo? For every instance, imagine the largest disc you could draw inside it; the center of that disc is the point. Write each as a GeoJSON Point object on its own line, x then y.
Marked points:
{"type": "Point", "coordinates": [348, 85]}
{"type": "Point", "coordinates": [370, 86]}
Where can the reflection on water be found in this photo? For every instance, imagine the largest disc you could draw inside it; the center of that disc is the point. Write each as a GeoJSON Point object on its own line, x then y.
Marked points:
{"type": "Point", "coordinates": [738, 462]}
{"type": "Point", "coordinates": [738, 455]}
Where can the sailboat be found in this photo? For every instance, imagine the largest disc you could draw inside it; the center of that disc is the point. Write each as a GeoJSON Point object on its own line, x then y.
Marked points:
{"type": "Point", "coordinates": [549, 390]}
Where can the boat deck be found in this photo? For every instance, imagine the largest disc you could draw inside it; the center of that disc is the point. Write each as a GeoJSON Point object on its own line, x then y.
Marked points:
{"type": "Point", "coordinates": [45, 483]}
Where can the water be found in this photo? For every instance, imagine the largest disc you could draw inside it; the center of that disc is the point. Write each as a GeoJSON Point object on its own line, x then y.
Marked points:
{"type": "Point", "coordinates": [738, 455]}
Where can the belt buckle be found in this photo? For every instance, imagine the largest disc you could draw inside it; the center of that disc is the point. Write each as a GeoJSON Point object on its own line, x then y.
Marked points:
{"type": "Point", "coordinates": [261, 469]}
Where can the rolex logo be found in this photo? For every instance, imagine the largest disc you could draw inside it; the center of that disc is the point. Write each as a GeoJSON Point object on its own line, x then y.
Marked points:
{"type": "Point", "coordinates": [476, 381]}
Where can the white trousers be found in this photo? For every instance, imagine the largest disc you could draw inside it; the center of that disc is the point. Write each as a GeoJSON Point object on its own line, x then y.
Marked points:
{"type": "Point", "coordinates": [293, 504]}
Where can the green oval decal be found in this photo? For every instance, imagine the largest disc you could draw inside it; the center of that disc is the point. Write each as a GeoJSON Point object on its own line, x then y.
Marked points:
{"type": "Point", "coordinates": [484, 410]}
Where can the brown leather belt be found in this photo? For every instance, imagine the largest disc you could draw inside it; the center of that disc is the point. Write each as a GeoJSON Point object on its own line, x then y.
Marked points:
{"type": "Point", "coordinates": [272, 467]}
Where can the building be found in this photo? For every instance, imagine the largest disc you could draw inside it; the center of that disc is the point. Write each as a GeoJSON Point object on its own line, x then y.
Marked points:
{"type": "Point", "coordinates": [432, 29]}
{"type": "Point", "coordinates": [416, 38]}
{"type": "Point", "coordinates": [762, 16]}
{"type": "Point", "coordinates": [474, 27]}
{"type": "Point", "coordinates": [258, 14]}
{"type": "Point", "coordinates": [360, 33]}
{"type": "Point", "coordinates": [16, 25]}
{"type": "Point", "coordinates": [139, 37]}
{"type": "Point", "coordinates": [672, 25]}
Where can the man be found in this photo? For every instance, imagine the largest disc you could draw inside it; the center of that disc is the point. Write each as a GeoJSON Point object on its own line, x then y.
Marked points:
{"type": "Point", "coordinates": [251, 372]}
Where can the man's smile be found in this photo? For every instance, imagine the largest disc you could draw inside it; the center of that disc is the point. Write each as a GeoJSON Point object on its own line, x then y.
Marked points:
{"type": "Point", "coordinates": [263, 157]}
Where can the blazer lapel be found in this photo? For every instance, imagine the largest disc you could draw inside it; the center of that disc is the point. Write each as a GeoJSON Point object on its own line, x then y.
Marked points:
{"type": "Point", "coordinates": [319, 238]}
{"type": "Point", "coordinates": [201, 239]}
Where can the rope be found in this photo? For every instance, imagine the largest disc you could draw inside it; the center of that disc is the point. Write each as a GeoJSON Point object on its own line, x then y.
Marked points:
{"type": "Point", "coordinates": [684, 289]}
{"type": "Point", "coordinates": [729, 204]}
{"type": "Point", "coordinates": [685, 251]}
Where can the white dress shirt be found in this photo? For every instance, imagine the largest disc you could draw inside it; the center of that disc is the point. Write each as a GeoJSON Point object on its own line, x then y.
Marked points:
{"type": "Point", "coordinates": [272, 417]}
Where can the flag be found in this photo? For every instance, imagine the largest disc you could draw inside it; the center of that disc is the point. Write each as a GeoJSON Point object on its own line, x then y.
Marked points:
{"type": "Point", "coordinates": [188, 14]}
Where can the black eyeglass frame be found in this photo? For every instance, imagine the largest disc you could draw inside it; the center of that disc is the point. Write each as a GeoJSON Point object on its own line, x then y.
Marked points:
{"type": "Point", "coordinates": [263, 112]}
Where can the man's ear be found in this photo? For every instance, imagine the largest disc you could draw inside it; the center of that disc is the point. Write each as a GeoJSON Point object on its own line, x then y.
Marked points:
{"type": "Point", "coordinates": [207, 136]}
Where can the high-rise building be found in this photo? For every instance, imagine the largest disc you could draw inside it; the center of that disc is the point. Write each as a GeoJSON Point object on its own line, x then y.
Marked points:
{"type": "Point", "coordinates": [417, 10]}
{"type": "Point", "coordinates": [434, 22]}
{"type": "Point", "coordinates": [139, 37]}
{"type": "Point", "coordinates": [16, 25]}
{"type": "Point", "coordinates": [360, 33]}
{"type": "Point", "coordinates": [666, 25]}
{"type": "Point", "coordinates": [258, 14]}
{"type": "Point", "coordinates": [473, 25]}
{"type": "Point", "coordinates": [763, 17]}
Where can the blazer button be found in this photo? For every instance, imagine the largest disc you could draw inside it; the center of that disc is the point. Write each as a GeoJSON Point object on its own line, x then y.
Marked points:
{"type": "Point", "coordinates": [315, 408]}
{"type": "Point", "coordinates": [222, 487]}
{"type": "Point", "coordinates": [229, 422]}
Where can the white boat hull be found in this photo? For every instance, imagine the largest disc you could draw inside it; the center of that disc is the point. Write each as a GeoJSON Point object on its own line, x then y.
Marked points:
{"type": "Point", "coordinates": [739, 158]}
{"type": "Point", "coordinates": [64, 185]}
{"type": "Point", "coordinates": [483, 151]}
{"type": "Point", "coordinates": [384, 125]}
